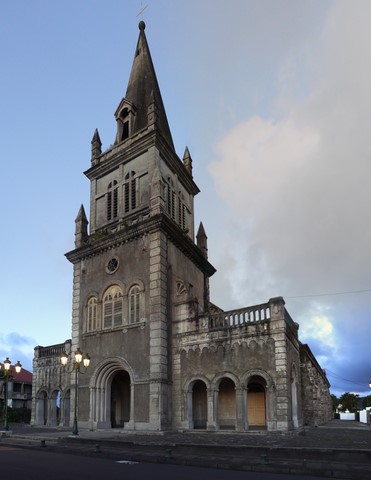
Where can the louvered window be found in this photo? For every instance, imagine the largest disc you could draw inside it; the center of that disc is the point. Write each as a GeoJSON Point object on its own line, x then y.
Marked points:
{"type": "Point", "coordinates": [130, 192]}
{"type": "Point", "coordinates": [113, 308]}
{"type": "Point", "coordinates": [182, 212]}
{"type": "Point", "coordinates": [168, 200]}
{"type": "Point", "coordinates": [92, 310]}
{"type": "Point", "coordinates": [115, 202]}
{"type": "Point", "coordinates": [112, 200]}
{"type": "Point", "coordinates": [134, 305]}
{"type": "Point", "coordinates": [171, 199]}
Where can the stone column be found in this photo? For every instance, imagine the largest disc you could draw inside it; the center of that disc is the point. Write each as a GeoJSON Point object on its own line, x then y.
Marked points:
{"type": "Point", "coordinates": [131, 423]}
{"type": "Point", "coordinates": [178, 395]}
{"type": "Point", "coordinates": [271, 408]}
{"type": "Point", "coordinates": [240, 413]}
{"type": "Point", "coordinates": [189, 409]}
{"type": "Point", "coordinates": [211, 408]}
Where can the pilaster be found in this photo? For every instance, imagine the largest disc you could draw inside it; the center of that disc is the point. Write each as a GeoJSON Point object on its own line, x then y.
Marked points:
{"type": "Point", "coordinates": [279, 333]}
{"type": "Point", "coordinates": [211, 408]}
{"type": "Point", "coordinates": [158, 323]}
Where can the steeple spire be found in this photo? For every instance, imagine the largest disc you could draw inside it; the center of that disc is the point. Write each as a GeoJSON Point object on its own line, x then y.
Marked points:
{"type": "Point", "coordinates": [142, 91]}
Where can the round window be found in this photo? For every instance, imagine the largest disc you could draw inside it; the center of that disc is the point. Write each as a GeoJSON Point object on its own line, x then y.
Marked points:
{"type": "Point", "coordinates": [112, 265]}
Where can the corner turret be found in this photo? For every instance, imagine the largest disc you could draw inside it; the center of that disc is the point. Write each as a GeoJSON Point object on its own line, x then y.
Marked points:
{"type": "Point", "coordinates": [187, 161]}
{"type": "Point", "coordinates": [81, 229]}
{"type": "Point", "coordinates": [202, 240]}
{"type": "Point", "coordinates": [96, 148]}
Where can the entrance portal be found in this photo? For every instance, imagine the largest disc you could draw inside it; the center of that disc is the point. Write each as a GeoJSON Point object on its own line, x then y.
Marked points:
{"type": "Point", "coordinates": [199, 404]}
{"type": "Point", "coordinates": [120, 399]}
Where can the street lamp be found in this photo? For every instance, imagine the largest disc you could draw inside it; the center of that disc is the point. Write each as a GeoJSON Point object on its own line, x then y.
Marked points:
{"type": "Point", "coordinates": [7, 375]}
{"type": "Point", "coordinates": [75, 366]}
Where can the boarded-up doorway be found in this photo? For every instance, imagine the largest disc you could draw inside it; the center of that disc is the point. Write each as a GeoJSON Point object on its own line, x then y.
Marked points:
{"type": "Point", "coordinates": [227, 404]}
{"type": "Point", "coordinates": [256, 410]}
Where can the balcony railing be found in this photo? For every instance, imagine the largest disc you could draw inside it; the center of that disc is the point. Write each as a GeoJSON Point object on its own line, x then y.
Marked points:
{"type": "Point", "coordinates": [242, 316]}
{"type": "Point", "coordinates": [52, 350]}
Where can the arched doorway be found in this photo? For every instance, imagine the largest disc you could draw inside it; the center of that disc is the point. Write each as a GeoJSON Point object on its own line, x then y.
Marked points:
{"type": "Point", "coordinates": [120, 399]}
{"type": "Point", "coordinates": [199, 404]}
{"type": "Point", "coordinates": [42, 408]}
{"type": "Point", "coordinates": [256, 402]}
{"type": "Point", "coordinates": [55, 403]}
{"type": "Point", "coordinates": [227, 404]}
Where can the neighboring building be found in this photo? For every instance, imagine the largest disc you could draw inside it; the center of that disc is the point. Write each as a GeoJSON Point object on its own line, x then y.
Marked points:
{"type": "Point", "coordinates": [162, 355]}
{"type": "Point", "coordinates": [19, 389]}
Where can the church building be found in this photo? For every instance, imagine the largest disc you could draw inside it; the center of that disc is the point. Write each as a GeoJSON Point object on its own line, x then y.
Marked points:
{"type": "Point", "coordinates": [162, 356]}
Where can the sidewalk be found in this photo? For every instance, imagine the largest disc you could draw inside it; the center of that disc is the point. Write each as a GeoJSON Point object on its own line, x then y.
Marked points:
{"type": "Point", "coordinates": [339, 449]}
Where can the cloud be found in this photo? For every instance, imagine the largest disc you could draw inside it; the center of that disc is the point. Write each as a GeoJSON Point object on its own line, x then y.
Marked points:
{"type": "Point", "coordinates": [297, 186]}
{"type": "Point", "coordinates": [318, 329]}
{"type": "Point", "coordinates": [17, 347]}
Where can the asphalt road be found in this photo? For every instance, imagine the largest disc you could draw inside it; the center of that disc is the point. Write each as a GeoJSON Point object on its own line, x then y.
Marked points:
{"type": "Point", "coordinates": [18, 464]}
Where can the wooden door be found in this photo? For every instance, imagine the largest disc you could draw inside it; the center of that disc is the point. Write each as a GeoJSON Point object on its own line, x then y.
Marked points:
{"type": "Point", "coordinates": [256, 409]}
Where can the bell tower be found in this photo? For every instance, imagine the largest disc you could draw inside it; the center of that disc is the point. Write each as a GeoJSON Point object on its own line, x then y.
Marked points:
{"type": "Point", "coordinates": [137, 263]}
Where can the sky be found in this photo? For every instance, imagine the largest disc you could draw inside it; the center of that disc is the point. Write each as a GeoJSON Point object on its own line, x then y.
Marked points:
{"type": "Point", "coordinates": [272, 98]}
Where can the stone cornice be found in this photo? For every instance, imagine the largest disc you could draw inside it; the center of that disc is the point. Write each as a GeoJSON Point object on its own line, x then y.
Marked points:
{"type": "Point", "coordinates": [135, 146]}
{"type": "Point", "coordinates": [129, 233]}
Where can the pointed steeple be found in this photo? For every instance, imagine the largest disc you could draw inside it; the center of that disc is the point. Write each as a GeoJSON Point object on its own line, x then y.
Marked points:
{"type": "Point", "coordinates": [202, 240]}
{"type": "Point", "coordinates": [187, 161]}
{"type": "Point", "coordinates": [142, 91]}
{"type": "Point", "coordinates": [81, 229]}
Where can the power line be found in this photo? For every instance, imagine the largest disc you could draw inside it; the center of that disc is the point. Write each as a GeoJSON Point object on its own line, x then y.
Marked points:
{"type": "Point", "coordinates": [350, 292]}
{"type": "Point", "coordinates": [344, 379]}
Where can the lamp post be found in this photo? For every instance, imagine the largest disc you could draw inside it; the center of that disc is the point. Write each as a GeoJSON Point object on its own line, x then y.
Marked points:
{"type": "Point", "coordinates": [6, 374]}
{"type": "Point", "coordinates": [79, 359]}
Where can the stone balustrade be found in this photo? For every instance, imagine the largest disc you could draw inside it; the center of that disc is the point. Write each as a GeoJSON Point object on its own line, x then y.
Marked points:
{"type": "Point", "coordinates": [52, 350]}
{"type": "Point", "coordinates": [239, 317]}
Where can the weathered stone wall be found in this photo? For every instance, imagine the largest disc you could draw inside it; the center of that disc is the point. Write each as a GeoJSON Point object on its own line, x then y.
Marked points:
{"type": "Point", "coordinates": [50, 384]}
{"type": "Point", "coordinates": [317, 403]}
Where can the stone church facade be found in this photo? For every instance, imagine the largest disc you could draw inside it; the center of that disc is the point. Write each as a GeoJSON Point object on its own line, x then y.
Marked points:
{"type": "Point", "coordinates": [163, 357]}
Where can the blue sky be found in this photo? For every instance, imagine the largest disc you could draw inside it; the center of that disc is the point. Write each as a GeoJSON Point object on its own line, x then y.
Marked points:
{"type": "Point", "coordinates": [272, 99]}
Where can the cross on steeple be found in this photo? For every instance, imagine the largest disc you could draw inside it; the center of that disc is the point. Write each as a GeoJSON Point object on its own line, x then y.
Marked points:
{"type": "Point", "coordinates": [141, 9]}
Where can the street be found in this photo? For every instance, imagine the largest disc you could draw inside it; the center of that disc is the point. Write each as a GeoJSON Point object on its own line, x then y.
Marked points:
{"type": "Point", "coordinates": [18, 464]}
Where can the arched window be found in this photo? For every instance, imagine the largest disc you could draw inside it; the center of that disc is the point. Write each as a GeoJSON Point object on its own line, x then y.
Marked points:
{"type": "Point", "coordinates": [134, 304]}
{"type": "Point", "coordinates": [92, 318]}
{"type": "Point", "coordinates": [112, 200]}
{"type": "Point", "coordinates": [124, 117]}
{"type": "Point", "coordinates": [112, 307]}
{"type": "Point", "coordinates": [130, 192]}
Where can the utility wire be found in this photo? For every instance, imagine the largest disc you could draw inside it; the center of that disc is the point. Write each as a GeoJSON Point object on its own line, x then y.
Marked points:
{"type": "Point", "coordinates": [332, 374]}
{"type": "Point", "coordinates": [331, 294]}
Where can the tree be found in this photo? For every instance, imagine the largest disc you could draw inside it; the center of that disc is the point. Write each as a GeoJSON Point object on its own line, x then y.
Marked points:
{"type": "Point", "coordinates": [349, 401]}
{"type": "Point", "coordinates": [335, 402]}
{"type": "Point", "coordinates": [366, 401]}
